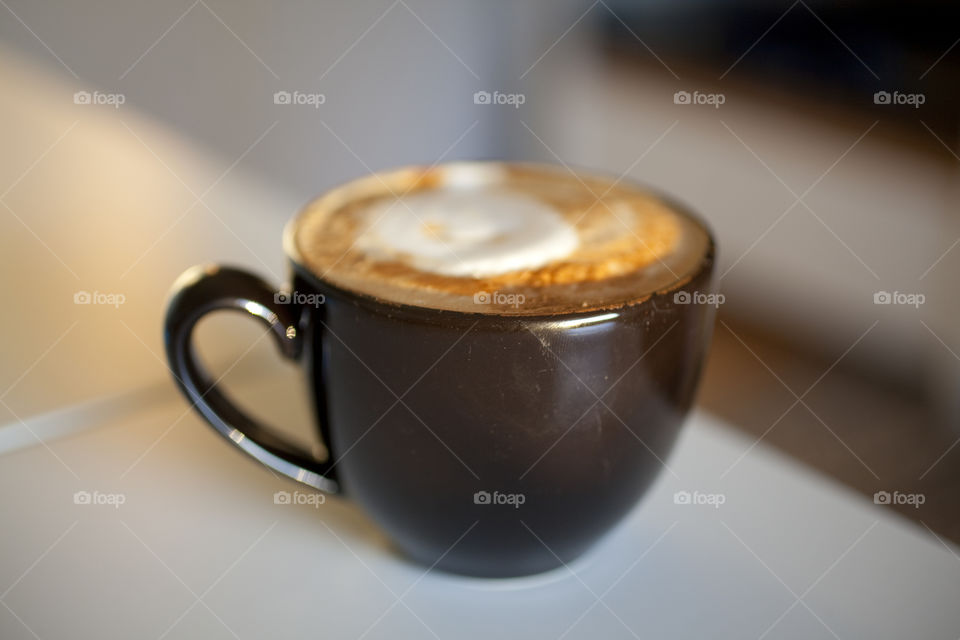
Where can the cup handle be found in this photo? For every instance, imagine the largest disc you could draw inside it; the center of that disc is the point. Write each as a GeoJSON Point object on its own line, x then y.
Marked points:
{"type": "Point", "coordinates": [207, 288]}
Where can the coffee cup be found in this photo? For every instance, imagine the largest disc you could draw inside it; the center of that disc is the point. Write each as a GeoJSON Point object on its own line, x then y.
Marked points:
{"type": "Point", "coordinates": [500, 356]}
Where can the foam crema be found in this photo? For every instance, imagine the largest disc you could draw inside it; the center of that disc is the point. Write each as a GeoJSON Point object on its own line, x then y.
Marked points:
{"type": "Point", "coordinates": [495, 238]}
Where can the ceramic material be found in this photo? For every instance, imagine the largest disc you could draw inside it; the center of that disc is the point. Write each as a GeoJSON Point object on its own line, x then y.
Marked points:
{"type": "Point", "coordinates": [483, 444]}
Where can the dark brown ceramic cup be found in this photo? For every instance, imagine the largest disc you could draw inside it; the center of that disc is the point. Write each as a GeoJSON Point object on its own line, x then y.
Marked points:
{"type": "Point", "coordinates": [483, 444]}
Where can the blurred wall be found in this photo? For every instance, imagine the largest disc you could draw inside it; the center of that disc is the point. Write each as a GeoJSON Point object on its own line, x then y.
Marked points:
{"type": "Point", "coordinates": [199, 164]}
{"type": "Point", "coordinates": [397, 77]}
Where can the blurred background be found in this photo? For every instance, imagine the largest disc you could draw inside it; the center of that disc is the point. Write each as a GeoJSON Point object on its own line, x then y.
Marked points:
{"type": "Point", "coordinates": [819, 139]}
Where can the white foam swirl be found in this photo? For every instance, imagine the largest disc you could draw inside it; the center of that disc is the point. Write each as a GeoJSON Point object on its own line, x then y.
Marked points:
{"type": "Point", "coordinates": [467, 232]}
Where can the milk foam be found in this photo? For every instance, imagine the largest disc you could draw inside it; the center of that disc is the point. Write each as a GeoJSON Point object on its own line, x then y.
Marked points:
{"type": "Point", "coordinates": [467, 232]}
{"type": "Point", "coordinates": [467, 236]}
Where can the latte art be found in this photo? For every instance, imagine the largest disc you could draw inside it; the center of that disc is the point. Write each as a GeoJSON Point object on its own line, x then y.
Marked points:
{"type": "Point", "coordinates": [467, 232]}
{"type": "Point", "coordinates": [468, 236]}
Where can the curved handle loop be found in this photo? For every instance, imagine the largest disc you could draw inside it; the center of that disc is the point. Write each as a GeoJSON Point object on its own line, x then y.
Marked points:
{"type": "Point", "coordinates": [207, 288]}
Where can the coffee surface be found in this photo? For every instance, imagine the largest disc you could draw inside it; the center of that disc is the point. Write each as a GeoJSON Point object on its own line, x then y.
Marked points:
{"type": "Point", "coordinates": [506, 239]}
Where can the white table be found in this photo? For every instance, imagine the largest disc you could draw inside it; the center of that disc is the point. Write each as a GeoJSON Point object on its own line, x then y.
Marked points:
{"type": "Point", "coordinates": [199, 549]}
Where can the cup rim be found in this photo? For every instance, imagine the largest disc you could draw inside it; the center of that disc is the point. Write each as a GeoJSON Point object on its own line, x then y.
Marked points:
{"type": "Point", "coordinates": [300, 265]}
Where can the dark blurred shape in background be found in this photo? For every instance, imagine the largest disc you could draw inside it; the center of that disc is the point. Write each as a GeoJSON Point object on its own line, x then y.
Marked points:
{"type": "Point", "coordinates": [797, 50]}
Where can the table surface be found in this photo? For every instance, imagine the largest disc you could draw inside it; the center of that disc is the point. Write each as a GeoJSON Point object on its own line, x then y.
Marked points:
{"type": "Point", "coordinates": [198, 548]}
